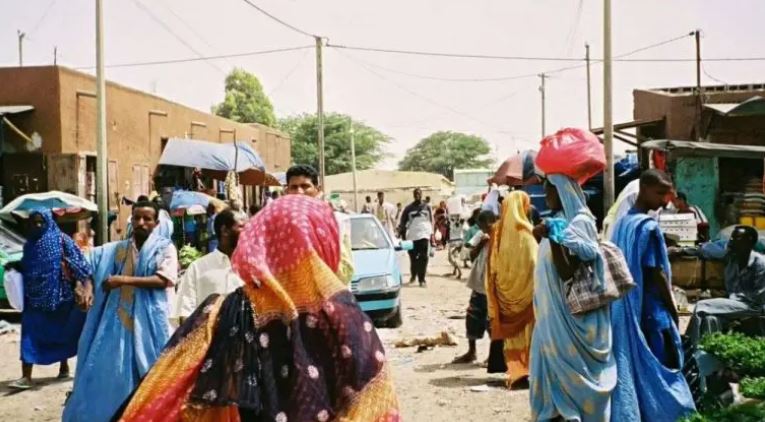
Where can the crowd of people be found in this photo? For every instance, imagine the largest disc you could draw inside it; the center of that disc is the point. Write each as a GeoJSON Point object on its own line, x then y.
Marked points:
{"type": "Point", "coordinates": [264, 327]}
{"type": "Point", "coordinates": [624, 359]}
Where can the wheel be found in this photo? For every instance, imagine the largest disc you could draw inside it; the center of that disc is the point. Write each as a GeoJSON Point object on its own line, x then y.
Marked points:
{"type": "Point", "coordinates": [395, 321]}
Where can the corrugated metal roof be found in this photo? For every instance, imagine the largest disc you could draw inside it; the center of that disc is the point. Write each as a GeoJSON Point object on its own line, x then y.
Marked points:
{"type": "Point", "coordinates": [705, 149]}
{"type": "Point", "coordinates": [754, 106]}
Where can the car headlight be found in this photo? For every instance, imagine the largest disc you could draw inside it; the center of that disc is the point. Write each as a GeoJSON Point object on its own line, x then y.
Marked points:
{"type": "Point", "coordinates": [381, 282]}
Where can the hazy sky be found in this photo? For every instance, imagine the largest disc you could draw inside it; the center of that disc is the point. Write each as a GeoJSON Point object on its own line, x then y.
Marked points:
{"type": "Point", "coordinates": [382, 89]}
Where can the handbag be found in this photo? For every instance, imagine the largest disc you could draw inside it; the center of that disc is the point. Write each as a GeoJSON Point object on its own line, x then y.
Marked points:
{"type": "Point", "coordinates": [582, 290]}
{"type": "Point", "coordinates": [13, 282]}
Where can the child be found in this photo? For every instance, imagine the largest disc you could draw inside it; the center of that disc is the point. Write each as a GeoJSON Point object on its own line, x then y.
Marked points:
{"type": "Point", "coordinates": [476, 320]}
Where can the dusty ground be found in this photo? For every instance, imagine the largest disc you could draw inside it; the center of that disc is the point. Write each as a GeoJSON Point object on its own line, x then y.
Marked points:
{"type": "Point", "coordinates": [428, 386]}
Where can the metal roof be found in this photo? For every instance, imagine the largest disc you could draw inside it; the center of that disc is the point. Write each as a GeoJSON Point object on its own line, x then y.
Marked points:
{"type": "Point", "coordinates": [15, 109]}
{"type": "Point", "coordinates": [754, 106]}
{"type": "Point", "coordinates": [705, 149]}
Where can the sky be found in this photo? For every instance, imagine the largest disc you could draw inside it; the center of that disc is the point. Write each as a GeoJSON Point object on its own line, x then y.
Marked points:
{"type": "Point", "coordinates": [406, 97]}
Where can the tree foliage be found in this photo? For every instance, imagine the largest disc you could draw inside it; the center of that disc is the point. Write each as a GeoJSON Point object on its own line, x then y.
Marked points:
{"type": "Point", "coordinates": [245, 100]}
{"type": "Point", "coordinates": [443, 152]}
{"type": "Point", "coordinates": [370, 143]}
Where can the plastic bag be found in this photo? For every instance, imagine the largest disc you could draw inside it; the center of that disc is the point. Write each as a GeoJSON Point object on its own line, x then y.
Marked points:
{"type": "Point", "coordinates": [576, 153]}
{"type": "Point", "coordinates": [13, 283]}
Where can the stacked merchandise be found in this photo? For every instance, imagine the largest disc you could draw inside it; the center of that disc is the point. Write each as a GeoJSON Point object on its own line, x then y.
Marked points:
{"type": "Point", "coordinates": [751, 205]}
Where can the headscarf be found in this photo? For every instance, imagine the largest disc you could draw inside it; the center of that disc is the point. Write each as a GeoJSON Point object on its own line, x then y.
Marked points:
{"type": "Point", "coordinates": [623, 204]}
{"type": "Point", "coordinates": [46, 251]}
{"type": "Point", "coordinates": [510, 282]}
{"type": "Point", "coordinates": [295, 328]}
{"type": "Point", "coordinates": [581, 235]}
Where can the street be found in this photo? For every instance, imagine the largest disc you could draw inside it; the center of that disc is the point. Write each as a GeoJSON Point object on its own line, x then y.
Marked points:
{"type": "Point", "coordinates": [429, 387]}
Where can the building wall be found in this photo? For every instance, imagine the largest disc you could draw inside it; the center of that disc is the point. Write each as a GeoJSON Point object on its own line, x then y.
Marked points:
{"type": "Point", "coordinates": [678, 106]}
{"type": "Point", "coordinates": [137, 123]}
{"type": "Point", "coordinates": [38, 87]}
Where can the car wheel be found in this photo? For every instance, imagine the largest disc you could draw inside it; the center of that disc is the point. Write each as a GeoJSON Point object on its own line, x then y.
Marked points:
{"type": "Point", "coordinates": [395, 321]}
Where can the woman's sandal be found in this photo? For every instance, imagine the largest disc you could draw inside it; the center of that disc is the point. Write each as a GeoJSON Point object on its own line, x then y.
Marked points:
{"type": "Point", "coordinates": [20, 384]}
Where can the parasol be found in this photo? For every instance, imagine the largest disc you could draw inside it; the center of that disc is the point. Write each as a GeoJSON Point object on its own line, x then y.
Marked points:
{"type": "Point", "coordinates": [61, 203]}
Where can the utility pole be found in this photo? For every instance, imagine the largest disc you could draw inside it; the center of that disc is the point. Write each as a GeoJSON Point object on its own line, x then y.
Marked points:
{"type": "Point", "coordinates": [699, 104]}
{"type": "Point", "coordinates": [353, 168]}
{"type": "Point", "coordinates": [320, 109]}
{"type": "Point", "coordinates": [542, 77]}
{"type": "Point", "coordinates": [21, 36]}
{"type": "Point", "coordinates": [55, 55]}
{"type": "Point", "coordinates": [102, 191]}
{"type": "Point", "coordinates": [608, 124]}
{"type": "Point", "coordinates": [589, 90]}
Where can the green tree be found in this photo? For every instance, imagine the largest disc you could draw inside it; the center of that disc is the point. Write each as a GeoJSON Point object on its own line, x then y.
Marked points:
{"type": "Point", "coordinates": [245, 100]}
{"type": "Point", "coordinates": [443, 152]}
{"type": "Point", "coordinates": [370, 142]}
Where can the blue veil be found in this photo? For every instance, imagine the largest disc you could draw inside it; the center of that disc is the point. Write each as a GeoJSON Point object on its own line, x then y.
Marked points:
{"type": "Point", "coordinates": [572, 371]}
{"type": "Point", "coordinates": [45, 252]}
{"type": "Point", "coordinates": [647, 390]}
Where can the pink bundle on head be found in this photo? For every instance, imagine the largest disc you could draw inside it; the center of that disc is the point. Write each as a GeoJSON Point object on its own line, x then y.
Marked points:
{"type": "Point", "coordinates": [576, 153]}
{"type": "Point", "coordinates": [284, 234]}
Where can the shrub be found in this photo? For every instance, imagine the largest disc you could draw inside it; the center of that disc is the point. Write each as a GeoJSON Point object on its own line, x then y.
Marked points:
{"type": "Point", "coordinates": [752, 412]}
{"type": "Point", "coordinates": [745, 355]}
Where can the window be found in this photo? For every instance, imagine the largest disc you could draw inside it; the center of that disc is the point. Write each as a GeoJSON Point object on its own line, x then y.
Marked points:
{"type": "Point", "coordinates": [367, 234]}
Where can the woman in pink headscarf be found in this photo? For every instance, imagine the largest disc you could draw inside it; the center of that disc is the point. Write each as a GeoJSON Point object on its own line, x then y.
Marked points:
{"type": "Point", "coordinates": [291, 345]}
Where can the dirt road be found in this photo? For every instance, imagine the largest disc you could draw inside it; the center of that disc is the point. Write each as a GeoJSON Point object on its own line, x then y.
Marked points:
{"type": "Point", "coordinates": [429, 388]}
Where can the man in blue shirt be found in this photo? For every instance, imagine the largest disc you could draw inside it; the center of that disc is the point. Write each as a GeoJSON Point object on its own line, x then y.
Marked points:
{"type": "Point", "coordinates": [744, 283]}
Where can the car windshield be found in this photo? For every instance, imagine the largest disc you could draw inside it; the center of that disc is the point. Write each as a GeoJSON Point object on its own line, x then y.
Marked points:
{"type": "Point", "coordinates": [367, 234]}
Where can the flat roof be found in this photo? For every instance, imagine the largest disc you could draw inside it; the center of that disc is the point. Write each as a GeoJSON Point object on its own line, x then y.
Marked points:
{"type": "Point", "coordinates": [691, 90]}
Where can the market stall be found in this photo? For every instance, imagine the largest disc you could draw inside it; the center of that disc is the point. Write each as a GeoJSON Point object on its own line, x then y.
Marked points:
{"type": "Point", "coordinates": [215, 160]}
{"type": "Point", "coordinates": [726, 182]}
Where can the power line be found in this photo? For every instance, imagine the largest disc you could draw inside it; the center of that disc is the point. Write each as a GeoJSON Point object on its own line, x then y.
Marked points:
{"type": "Point", "coordinates": [197, 59]}
{"type": "Point", "coordinates": [704, 69]}
{"type": "Point", "coordinates": [289, 74]}
{"type": "Point", "coordinates": [167, 28]}
{"type": "Point", "coordinates": [520, 76]}
{"type": "Point", "coordinates": [415, 94]}
{"type": "Point", "coordinates": [533, 58]}
{"type": "Point", "coordinates": [452, 55]}
{"type": "Point", "coordinates": [42, 17]}
{"type": "Point", "coordinates": [658, 44]}
{"type": "Point", "coordinates": [188, 26]}
{"type": "Point", "coordinates": [281, 22]}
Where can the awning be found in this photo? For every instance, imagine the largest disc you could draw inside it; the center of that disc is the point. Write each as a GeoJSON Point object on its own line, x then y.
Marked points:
{"type": "Point", "coordinates": [216, 160]}
{"type": "Point", "coordinates": [210, 155]}
{"type": "Point", "coordinates": [705, 149]}
{"type": "Point", "coordinates": [754, 106]}
{"type": "Point", "coordinates": [15, 109]}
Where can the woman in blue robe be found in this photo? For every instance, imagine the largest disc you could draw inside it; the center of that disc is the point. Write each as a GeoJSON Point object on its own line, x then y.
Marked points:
{"type": "Point", "coordinates": [647, 344]}
{"type": "Point", "coordinates": [125, 330]}
{"type": "Point", "coordinates": [51, 321]}
{"type": "Point", "coordinates": [572, 371]}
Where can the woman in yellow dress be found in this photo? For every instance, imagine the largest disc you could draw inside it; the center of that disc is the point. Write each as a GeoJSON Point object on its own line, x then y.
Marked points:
{"type": "Point", "coordinates": [510, 283]}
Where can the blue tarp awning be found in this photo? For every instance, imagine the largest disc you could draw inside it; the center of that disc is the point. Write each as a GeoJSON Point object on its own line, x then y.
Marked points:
{"type": "Point", "coordinates": [210, 155]}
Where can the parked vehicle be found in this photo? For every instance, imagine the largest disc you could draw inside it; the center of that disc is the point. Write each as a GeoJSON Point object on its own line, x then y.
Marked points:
{"type": "Point", "coordinates": [377, 279]}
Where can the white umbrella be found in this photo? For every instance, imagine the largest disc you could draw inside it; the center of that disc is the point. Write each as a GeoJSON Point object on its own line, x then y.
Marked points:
{"type": "Point", "coordinates": [59, 202]}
